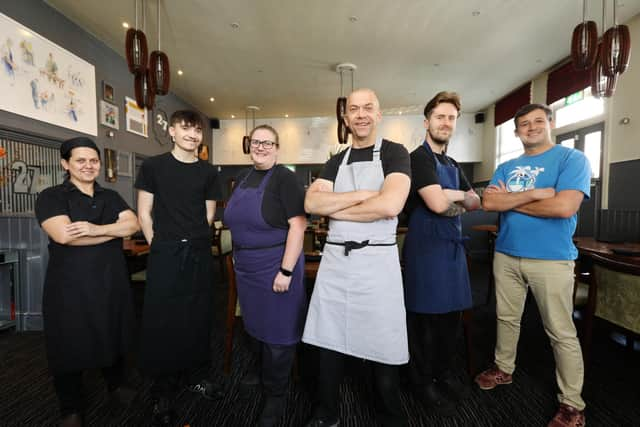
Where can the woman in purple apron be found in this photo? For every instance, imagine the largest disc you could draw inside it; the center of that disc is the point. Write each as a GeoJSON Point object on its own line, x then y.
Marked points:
{"type": "Point", "coordinates": [267, 221]}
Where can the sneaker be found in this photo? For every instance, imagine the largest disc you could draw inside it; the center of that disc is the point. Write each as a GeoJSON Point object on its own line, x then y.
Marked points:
{"type": "Point", "coordinates": [162, 413]}
{"type": "Point", "coordinates": [317, 422]}
{"type": "Point", "coordinates": [568, 416]}
{"type": "Point", "coordinates": [493, 377]}
{"type": "Point", "coordinates": [207, 390]}
{"type": "Point", "coordinates": [434, 399]}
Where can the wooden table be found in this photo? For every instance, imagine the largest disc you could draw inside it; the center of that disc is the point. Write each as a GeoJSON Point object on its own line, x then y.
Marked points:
{"type": "Point", "coordinates": [492, 231]}
{"type": "Point", "coordinates": [587, 245]}
{"type": "Point", "coordinates": [135, 252]}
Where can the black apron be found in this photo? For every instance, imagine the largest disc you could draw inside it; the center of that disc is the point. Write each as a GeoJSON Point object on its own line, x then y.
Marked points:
{"type": "Point", "coordinates": [178, 307]}
{"type": "Point", "coordinates": [86, 306]}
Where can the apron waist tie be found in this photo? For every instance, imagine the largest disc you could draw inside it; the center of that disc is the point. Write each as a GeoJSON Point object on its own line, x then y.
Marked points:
{"type": "Point", "coordinates": [350, 245]}
{"type": "Point", "coordinates": [249, 248]}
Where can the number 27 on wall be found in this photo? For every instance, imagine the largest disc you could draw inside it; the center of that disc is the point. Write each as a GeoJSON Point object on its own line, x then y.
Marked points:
{"type": "Point", "coordinates": [25, 177]}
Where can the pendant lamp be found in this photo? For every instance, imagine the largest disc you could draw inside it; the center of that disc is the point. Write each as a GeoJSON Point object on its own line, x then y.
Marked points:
{"type": "Point", "coordinates": [584, 42]}
{"type": "Point", "coordinates": [341, 104]}
{"type": "Point", "coordinates": [616, 47]}
{"type": "Point", "coordinates": [160, 74]}
{"type": "Point", "coordinates": [136, 49]}
{"type": "Point", "coordinates": [145, 96]}
{"type": "Point", "coordinates": [246, 141]}
{"type": "Point", "coordinates": [602, 86]}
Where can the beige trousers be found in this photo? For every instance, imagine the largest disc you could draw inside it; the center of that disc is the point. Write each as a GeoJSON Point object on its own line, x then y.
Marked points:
{"type": "Point", "coordinates": [551, 284]}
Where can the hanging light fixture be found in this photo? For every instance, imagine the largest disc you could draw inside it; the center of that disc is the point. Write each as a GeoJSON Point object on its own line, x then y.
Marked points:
{"type": "Point", "coordinates": [246, 141]}
{"type": "Point", "coordinates": [616, 47]}
{"type": "Point", "coordinates": [145, 95]}
{"type": "Point", "coordinates": [136, 49]}
{"type": "Point", "coordinates": [160, 74]}
{"type": "Point", "coordinates": [602, 86]}
{"type": "Point", "coordinates": [584, 42]}
{"type": "Point", "coordinates": [341, 104]}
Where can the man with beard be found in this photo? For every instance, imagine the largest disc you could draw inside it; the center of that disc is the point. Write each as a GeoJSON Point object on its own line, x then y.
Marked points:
{"type": "Point", "coordinates": [436, 278]}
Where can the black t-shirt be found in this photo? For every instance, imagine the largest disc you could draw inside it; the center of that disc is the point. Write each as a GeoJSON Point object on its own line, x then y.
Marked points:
{"type": "Point", "coordinates": [423, 174]}
{"type": "Point", "coordinates": [179, 193]}
{"type": "Point", "coordinates": [394, 157]}
{"type": "Point", "coordinates": [66, 199]}
{"type": "Point", "coordinates": [283, 195]}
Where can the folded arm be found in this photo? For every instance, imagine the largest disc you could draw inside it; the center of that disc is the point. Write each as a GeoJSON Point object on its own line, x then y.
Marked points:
{"type": "Point", "coordinates": [497, 198]}
{"type": "Point", "coordinates": [564, 204]}
{"type": "Point", "coordinates": [84, 233]}
{"type": "Point", "coordinates": [386, 204]}
{"type": "Point", "coordinates": [322, 200]}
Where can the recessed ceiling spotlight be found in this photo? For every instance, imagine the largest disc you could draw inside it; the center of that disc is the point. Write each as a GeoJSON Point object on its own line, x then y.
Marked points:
{"type": "Point", "coordinates": [180, 72]}
{"type": "Point", "coordinates": [475, 13]}
{"type": "Point", "coordinates": [286, 116]}
{"type": "Point", "coordinates": [212, 99]}
{"type": "Point", "coordinates": [235, 25]}
{"type": "Point", "coordinates": [399, 113]}
{"type": "Point", "coordinates": [233, 116]}
{"type": "Point", "coordinates": [353, 19]}
{"type": "Point", "coordinates": [125, 24]}
{"type": "Point", "coordinates": [436, 65]}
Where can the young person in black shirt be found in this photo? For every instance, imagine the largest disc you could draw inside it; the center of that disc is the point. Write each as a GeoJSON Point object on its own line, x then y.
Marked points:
{"type": "Point", "coordinates": [86, 304]}
{"type": "Point", "coordinates": [176, 206]}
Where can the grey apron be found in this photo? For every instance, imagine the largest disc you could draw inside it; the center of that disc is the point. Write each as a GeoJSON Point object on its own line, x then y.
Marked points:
{"type": "Point", "coordinates": [357, 306]}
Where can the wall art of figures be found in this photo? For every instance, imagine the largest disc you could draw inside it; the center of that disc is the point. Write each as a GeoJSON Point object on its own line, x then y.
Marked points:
{"type": "Point", "coordinates": [41, 80]}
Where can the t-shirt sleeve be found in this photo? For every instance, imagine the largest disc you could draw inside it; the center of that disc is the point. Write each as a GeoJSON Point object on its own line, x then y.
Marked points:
{"type": "Point", "coordinates": [498, 175]}
{"type": "Point", "coordinates": [144, 180]}
{"type": "Point", "coordinates": [330, 169]}
{"type": "Point", "coordinates": [423, 169]}
{"type": "Point", "coordinates": [395, 158]}
{"type": "Point", "coordinates": [576, 173]}
{"type": "Point", "coordinates": [291, 194]}
{"type": "Point", "coordinates": [213, 190]}
{"type": "Point", "coordinates": [50, 203]}
{"type": "Point", "coordinates": [118, 203]}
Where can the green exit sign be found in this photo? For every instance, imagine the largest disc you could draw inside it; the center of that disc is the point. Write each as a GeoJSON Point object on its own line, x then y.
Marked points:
{"type": "Point", "coordinates": [574, 97]}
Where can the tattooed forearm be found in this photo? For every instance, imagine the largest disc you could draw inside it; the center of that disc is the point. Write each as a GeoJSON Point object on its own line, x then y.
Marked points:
{"type": "Point", "coordinates": [454, 209]}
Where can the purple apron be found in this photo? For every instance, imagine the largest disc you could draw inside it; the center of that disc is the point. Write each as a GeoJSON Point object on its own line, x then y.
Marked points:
{"type": "Point", "coordinates": [258, 248]}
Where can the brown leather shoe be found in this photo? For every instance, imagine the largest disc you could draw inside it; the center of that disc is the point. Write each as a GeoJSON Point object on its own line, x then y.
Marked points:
{"type": "Point", "coordinates": [72, 420]}
{"type": "Point", "coordinates": [493, 377]}
{"type": "Point", "coordinates": [568, 416]}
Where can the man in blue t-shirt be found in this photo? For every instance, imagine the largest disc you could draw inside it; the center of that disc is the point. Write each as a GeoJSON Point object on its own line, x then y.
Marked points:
{"type": "Point", "coordinates": [538, 195]}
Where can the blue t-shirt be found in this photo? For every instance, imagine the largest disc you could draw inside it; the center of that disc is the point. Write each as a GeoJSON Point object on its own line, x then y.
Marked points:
{"type": "Point", "coordinates": [528, 236]}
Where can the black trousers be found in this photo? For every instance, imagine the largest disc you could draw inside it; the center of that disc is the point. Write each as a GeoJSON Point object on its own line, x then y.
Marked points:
{"type": "Point", "coordinates": [386, 383]}
{"type": "Point", "coordinates": [273, 364]}
{"type": "Point", "coordinates": [432, 345]}
{"type": "Point", "coordinates": [167, 385]}
{"type": "Point", "coordinates": [70, 391]}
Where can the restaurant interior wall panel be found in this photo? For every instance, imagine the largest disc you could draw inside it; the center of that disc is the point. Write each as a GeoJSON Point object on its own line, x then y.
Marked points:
{"type": "Point", "coordinates": [623, 184]}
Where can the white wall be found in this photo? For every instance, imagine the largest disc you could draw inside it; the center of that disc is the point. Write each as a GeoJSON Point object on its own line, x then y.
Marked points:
{"type": "Point", "coordinates": [311, 140]}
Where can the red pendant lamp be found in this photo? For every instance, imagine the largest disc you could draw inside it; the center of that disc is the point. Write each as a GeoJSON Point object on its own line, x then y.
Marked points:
{"type": "Point", "coordinates": [341, 104]}
{"type": "Point", "coordinates": [616, 47]}
{"type": "Point", "coordinates": [602, 85]}
{"type": "Point", "coordinates": [160, 74]}
{"type": "Point", "coordinates": [136, 49]}
{"type": "Point", "coordinates": [584, 42]}
{"type": "Point", "coordinates": [145, 96]}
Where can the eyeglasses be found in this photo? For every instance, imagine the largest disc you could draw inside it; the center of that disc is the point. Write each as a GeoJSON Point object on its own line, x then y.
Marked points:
{"type": "Point", "coordinates": [265, 144]}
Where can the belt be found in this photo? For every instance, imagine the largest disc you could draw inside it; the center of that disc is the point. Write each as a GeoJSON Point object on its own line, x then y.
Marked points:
{"type": "Point", "coordinates": [275, 245]}
{"type": "Point", "coordinates": [350, 245]}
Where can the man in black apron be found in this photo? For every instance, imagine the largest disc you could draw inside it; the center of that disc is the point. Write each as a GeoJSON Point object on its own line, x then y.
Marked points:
{"type": "Point", "coordinates": [436, 278]}
{"type": "Point", "coordinates": [176, 206]}
{"type": "Point", "coordinates": [357, 306]}
{"type": "Point", "coordinates": [87, 308]}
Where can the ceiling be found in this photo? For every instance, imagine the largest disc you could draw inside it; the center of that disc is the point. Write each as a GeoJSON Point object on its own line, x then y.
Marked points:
{"type": "Point", "coordinates": [281, 54]}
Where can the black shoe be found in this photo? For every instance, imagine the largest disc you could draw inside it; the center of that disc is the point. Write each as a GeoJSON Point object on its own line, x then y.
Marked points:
{"type": "Point", "coordinates": [122, 396]}
{"type": "Point", "coordinates": [436, 400]}
{"type": "Point", "coordinates": [272, 411]}
{"type": "Point", "coordinates": [72, 420]}
{"type": "Point", "coordinates": [251, 378]}
{"type": "Point", "coordinates": [317, 422]}
{"type": "Point", "coordinates": [162, 413]}
{"type": "Point", "coordinates": [454, 389]}
{"type": "Point", "coordinates": [207, 389]}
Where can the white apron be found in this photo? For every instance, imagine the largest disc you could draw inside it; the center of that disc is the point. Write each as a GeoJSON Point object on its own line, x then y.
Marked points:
{"type": "Point", "coordinates": [357, 306]}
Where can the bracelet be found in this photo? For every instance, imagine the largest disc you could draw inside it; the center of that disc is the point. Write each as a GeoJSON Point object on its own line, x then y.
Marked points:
{"type": "Point", "coordinates": [286, 272]}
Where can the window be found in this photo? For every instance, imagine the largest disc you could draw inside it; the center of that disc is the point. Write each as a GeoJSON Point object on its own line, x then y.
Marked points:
{"type": "Point", "coordinates": [509, 145]}
{"type": "Point", "coordinates": [577, 107]}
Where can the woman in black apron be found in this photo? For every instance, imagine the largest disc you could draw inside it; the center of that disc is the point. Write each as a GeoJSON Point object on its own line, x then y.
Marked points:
{"type": "Point", "coordinates": [87, 309]}
{"type": "Point", "coordinates": [267, 221]}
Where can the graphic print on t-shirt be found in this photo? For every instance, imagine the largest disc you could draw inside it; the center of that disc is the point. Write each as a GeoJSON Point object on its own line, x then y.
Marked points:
{"type": "Point", "coordinates": [523, 178]}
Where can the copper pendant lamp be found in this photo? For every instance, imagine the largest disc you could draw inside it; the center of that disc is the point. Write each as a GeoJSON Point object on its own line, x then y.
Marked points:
{"type": "Point", "coordinates": [246, 141]}
{"type": "Point", "coordinates": [602, 85]}
{"type": "Point", "coordinates": [145, 96]}
{"type": "Point", "coordinates": [160, 74]}
{"type": "Point", "coordinates": [584, 42]}
{"type": "Point", "coordinates": [341, 104]}
{"type": "Point", "coordinates": [136, 49]}
{"type": "Point", "coordinates": [616, 47]}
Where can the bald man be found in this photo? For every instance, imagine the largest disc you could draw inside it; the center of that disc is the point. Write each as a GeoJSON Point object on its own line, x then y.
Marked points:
{"type": "Point", "coordinates": [357, 306]}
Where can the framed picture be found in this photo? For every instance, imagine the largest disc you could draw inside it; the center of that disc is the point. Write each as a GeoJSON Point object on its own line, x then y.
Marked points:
{"type": "Point", "coordinates": [136, 118]}
{"type": "Point", "coordinates": [107, 92]}
{"type": "Point", "coordinates": [109, 115]}
{"type": "Point", "coordinates": [110, 165]}
{"type": "Point", "coordinates": [125, 166]}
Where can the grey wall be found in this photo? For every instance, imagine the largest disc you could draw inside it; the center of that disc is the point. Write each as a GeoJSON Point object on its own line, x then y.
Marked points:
{"type": "Point", "coordinates": [623, 180]}
{"type": "Point", "coordinates": [109, 65]}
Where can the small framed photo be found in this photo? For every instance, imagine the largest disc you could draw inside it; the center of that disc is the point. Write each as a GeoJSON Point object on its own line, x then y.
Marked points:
{"type": "Point", "coordinates": [125, 163]}
{"type": "Point", "coordinates": [110, 165]}
{"type": "Point", "coordinates": [109, 115]}
{"type": "Point", "coordinates": [108, 93]}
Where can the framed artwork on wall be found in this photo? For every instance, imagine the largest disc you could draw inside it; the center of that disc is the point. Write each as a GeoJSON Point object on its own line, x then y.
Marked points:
{"type": "Point", "coordinates": [136, 118]}
{"type": "Point", "coordinates": [125, 163]}
{"type": "Point", "coordinates": [109, 115]}
{"type": "Point", "coordinates": [108, 94]}
{"type": "Point", "coordinates": [110, 165]}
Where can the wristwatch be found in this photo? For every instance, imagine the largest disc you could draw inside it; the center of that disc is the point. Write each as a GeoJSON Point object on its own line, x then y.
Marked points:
{"type": "Point", "coordinates": [286, 272]}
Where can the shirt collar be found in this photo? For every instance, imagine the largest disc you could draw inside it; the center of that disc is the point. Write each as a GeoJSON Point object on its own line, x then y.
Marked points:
{"type": "Point", "coordinates": [70, 186]}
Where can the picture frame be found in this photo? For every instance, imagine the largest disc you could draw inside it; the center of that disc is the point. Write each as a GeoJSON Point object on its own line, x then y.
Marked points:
{"type": "Point", "coordinates": [125, 163]}
{"type": "Point", "coordinates": [108, 93]}
{"type": "Point", "coordinates": [109, 115]}
{"type": "Point", "coordinates": [110, 165]}
{"type": "Point", "coordinates": [136, 118]}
